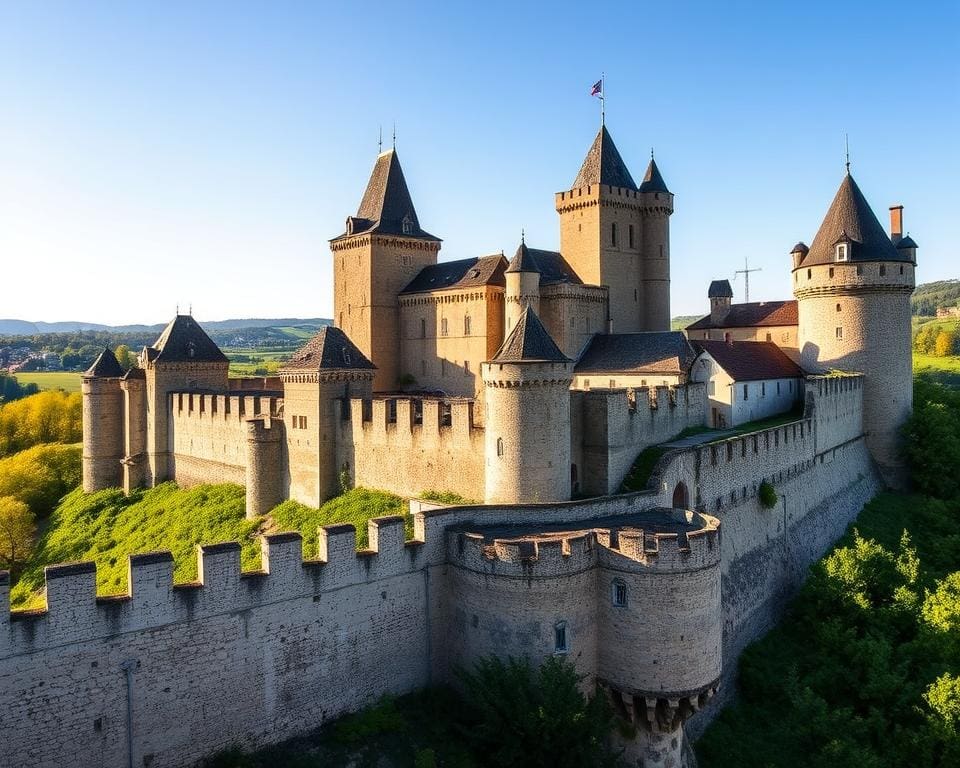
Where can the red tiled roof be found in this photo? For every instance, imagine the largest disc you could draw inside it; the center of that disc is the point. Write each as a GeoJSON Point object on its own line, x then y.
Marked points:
{"type": "Point", "coordinates": [758, 313]}
{"type": "Point", "coordinates": [750, 360]}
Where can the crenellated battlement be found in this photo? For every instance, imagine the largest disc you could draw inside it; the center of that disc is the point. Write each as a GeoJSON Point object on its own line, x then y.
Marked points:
{"type": "Point", "coordinates": [238, 406]}
{"type": "Point", "coordinates": [410, 416]}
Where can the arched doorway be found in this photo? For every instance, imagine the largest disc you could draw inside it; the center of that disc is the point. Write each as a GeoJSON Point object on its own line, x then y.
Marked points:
{"type": "Point", "coordinates": [681, 497]}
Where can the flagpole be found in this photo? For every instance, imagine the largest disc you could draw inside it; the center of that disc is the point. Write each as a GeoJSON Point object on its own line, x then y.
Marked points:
{"type": "Point", "coordinates": [603, 101]}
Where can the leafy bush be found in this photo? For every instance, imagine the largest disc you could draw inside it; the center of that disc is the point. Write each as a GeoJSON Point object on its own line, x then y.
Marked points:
{"type": "Point", "coordinates": [41, 476]}
{"type": "Point", "coordinates": [768, 495]}
{"type": "Point", "coordinates": [933, 439]}
{"type": "Point", "coordinates": [446, 497]}
{"type": "Point", "coordinates": [11, 389]}
{"type": "Point", "coordinates": [535, 717]}
{"type": "Point", "coordinates": [47, 417]}
{"type": "Point", "coordinates": [17, 528]}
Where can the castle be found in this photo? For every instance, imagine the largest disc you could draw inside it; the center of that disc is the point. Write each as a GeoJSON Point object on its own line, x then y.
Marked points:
{"type": "Point", "coordinates": [529, 385]}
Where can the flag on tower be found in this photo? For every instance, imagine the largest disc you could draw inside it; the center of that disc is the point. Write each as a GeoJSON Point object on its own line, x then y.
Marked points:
{"type": "Point", "coordinates": [597, 89]}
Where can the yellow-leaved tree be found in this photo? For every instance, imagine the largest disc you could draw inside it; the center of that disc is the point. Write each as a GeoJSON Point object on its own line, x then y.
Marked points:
{"type": "Point", "coordinates": [17, 530]}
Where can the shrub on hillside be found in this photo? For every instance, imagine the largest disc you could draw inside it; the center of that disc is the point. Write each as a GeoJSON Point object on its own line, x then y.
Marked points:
{"type": "Point", "coordinates": [933, 439]}
{"type": "Point", "coordinates": [41, 476]}
{"type": "Point", "coordinates": [17, 529]}
{"type": "Point", "coordinates": [47, 417]}
{"type": "Point", "coordinates": [11, 389]}
{"type": "Point", "coordinates": [526, 716]}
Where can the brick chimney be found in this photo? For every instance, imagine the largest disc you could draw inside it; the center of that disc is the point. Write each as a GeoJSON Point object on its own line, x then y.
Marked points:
{"type": "Point", "coordinates": [896, 223]}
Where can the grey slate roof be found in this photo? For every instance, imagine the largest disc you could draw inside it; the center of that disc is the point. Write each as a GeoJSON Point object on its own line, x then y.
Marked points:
{"type": "Point", "coordinates": [652, 180]}
{"type": "Point", "coordinates": [720, 289]}
{"type": "Point", "coordinates": [800, 247]}
{"type": "Point", "coordinates": [603, 164]}
{"type": "Point", "coordinates": [754, 314]}
{"type": "Point", "coordinates": [329, 349]}
{"type": "Point", "coordinates": [906, 242]}
{"type": "Point", "coordinates": [551, 265]}
{"type": "Point", "coordinates": [184, 341]}
{"type": "Point", "coordinates": [105, 366]}
{"type": "Point", "coordinates": [659, 352]}
{"type": "Point", "coordinates": [465, 273]}
{"type": "Point", "coordinates": [750, 360]}
{"type": "Point", "coordinates": [850, 218]}
{"type": "Point", "coordinates": [387, 203]}
{"type": "Point", "coordinates": [522, 261]}
{"type": "Point", "coordinates": [529, 342]}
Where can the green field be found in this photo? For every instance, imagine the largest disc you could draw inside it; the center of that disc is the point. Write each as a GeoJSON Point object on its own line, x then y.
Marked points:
{"type": "Point", "coordinates": [944, 369]}
{"type": "Point", "coordinates": [68, 381]}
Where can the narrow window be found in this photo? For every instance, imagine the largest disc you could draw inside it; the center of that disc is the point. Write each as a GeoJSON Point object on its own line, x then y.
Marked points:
{"type": "Point", "coordinates": [613, 234]}
{"type": "Point", "coordinates": [838, 307]}
{"type": "Point", "coordinates": [619, 593]}
{"type": "Point", "coordinates": [901, 270]}
{"type": "Point", "coordinates": [842, 252]}
{"type": "Point", "coordinates": [560, 637]}
{"type": "Point", "coordinates": [634, 294]}
{"type": "Point", "coordinates": [613, 383]}
{"type": "Point", "coordinates": [778, 387]}
{"type": "Point", "coordinates": [347, 360]}
{"type": "Point", "coordinates": [769, 337]}
{"type": "Point", "coordinates": [763, 389]}
{"type": "Point", "coordinates": [586, 383]}
{"type": "Point", "coordinates": [423, 328]}
{"type": "Point", "coordinates": [443, 326]}
{"type": "Point", "coordinates": [883, 270]}
{"type": "Point", "coordinates": [446, 415]}
{"type": "Point", "coordinates": [630, 235]}
{"type": "Point", "coordinates": [809, 273]}
{"type": "Point", "coordinates": [839, 332]}
{"type": "Point", "coordinates": [831, 271]}
{"type": "Point", "coordinates": [466, 366]}
{"type": "Point", "coordinates": [712, 388]}
{"type": "Point", "coordinates": [745, 393]}
{"type": "Point", "coordinates": [466, 325]}
{"type": "Point", "coordinates": [499, 446]}
{"type": "Point", "coordinates": [859, 269]}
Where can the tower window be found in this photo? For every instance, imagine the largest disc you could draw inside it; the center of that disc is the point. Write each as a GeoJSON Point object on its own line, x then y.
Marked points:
{"type": "Point", "coordinates": [443, 326]}
{"type": "Point", "coordinates": [778, 387]}
{"type": "Point", "coordinates": [407, 226]}
{"type": "Point", "coordinates": [618, 593]}
{"type": "Point", "coordinates": [843, 251]}
{"type": "Point", "coordinates": [831, 271]}
{"type": "Point", "coordinates": [883, 270]}
{"type": "Point", "coordinates": [423, 328]}
{"type": "Point", "coordinates": [613, 234]}
{"type": "Point", "coordinates": [560, 637]}
{"type": "Point", "coordinates": [466, 366]}
{"type": "Point", "coordinates": [901, 270]}
{"type": "Point", "coordinates": [769, 337]}
{"type": "Point", "coordinates": [499, 446]}
{"type": "Point", "coordinates": [859, 269]}
{"type": "Point", "coordinates": [839, 332]}
{"type": "Point", "coordinates": [634, 294]}
{"type": "Point", "coordinates": [630, 235]}
{"type": "Point", "coordinates": [347, 360]}
{"type": "Point", "coordinates": [746, 391]}
{"type": "Point", "coordinates": [466, 325]}
{"type": "Point", "coordinates": [763, 389]}
{"type": "Point", "coordinates": [838, 307]}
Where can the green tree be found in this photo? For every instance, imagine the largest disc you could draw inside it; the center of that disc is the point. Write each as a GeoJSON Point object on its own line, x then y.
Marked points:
{"type": "Point", "coordinates": [933, 439]}
{"type": "Point", "coordinates": [17, 530]}
{"type": "Point", "coordinates": [125, 357]}
{"type": "Point", "coordinates": [536, 717]}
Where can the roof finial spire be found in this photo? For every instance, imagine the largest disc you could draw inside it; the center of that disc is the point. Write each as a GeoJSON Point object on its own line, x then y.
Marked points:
{"type": "Point", "coordinates": [522, 236]}
{"type": "Point", "coordinates": [846, 139]}
{"type": "Point", "coordinates": [394, 135]}
{"type": "Point", "coordinates": [177, 311]}
{"type": "Point", "coordinates": [651, 153]}
{"type": "Point", "coordinates": [190, 309]}
{"type": "Point", "coordinates": [380, 141]}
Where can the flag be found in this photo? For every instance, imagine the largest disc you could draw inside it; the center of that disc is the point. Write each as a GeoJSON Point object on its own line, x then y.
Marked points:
{"type": "Point", "coordinates": [597, 89]}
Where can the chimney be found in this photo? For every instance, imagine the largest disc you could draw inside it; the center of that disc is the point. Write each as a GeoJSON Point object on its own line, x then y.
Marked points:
{"type": "Point", "coordinates": [896, 223]}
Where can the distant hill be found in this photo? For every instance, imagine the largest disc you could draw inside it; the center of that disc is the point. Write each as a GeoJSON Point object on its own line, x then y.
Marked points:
{"type": "Point", "coordinates": [682, 321]}
{"type": "Point", "coordinates": [929, 297]}
{"type": "Point", "coordinates": [27, 328]}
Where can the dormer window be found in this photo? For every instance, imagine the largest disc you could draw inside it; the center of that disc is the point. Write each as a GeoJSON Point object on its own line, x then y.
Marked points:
{"type": "Point", "coordinates": [843, 251]}
{"type": "Point", "coordinates": [346, 357]}
{"type": "Point", "coordinates": [407, 225]}
{"type": "Point", "coordinates": [349, 225]}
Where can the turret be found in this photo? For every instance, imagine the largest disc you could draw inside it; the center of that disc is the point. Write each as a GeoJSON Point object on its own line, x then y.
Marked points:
{"type": "Point", "coordinates": [853, 290]}
{"type": "Point", "coordinates": [656, 212]}
{"type": "Point", "coordinates": [527, 383]}
{"type": "Point", "coordinates": [102, 423]}
{"type": "Point", "coordinates": [183, 358]}
{"type": "Point", "coordinates": [523, 285]}
{"type": "Point", "coordinates": [382, 249]}
{"type": "Point", "coordinates": [720, 294]}
{"type": "Point", "coordinates": [616, 234]}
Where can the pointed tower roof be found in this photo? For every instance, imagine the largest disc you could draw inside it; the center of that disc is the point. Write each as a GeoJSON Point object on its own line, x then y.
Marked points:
{"type": "Point", "coordinates": [523, 260]}
{"type": "Point", "coordinates": [652, 180]}
{"type": "Point", "coordinates": [184, 341]}
{"type": "Point", "coordinates": [529, 342]}
{"type": "Point", "coordinates": [329, 349]}
{"type": "Point", "coordinates": [720, 289]}
{"type": "Point", "coordinates": [851, 219]}
{"type": "Point", "coordinates": [105, 366]}
{"type": "Point", "coordinates": [603, 164]}
{"type": "Point", "coordinates": [386, 207]}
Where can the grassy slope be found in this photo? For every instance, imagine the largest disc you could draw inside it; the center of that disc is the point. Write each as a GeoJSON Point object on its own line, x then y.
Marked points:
{"type": "Point", "coordinates": [107, 526]}
{"type": "Point", "coordinates": [943, 369]}
{"type": "Point", "coordinates": [68, 381]}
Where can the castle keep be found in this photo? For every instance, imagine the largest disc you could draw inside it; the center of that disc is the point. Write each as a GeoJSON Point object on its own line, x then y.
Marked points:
{"type": "Point", "coordinates": [530, 385]}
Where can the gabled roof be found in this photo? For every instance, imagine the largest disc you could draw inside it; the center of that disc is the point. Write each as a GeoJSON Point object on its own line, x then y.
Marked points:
{"type": "Point", "coordinates": [522, 261]}
{"type": "Point", "coordinates": [652, 180]}
{"type": "Point", "coordinates": [386, 203]}
{"type": "Point", "coordinates": [720, 289]}
{"type": "Point", "coordinates": [184, 341]}
{"type": "Point", "coordinates": [754, 314]}
{"type": "Point", "coordinates": [553, 268]}
{"type": "Point", "coordinates": [105, 366]}
{"type": "Point", "coordinates": [851, 218]}
{"type": "Point", "coordinates": [529, 342]}
{"type": "Point", "coordinates": [750, 360]}
{"type": "Point", "coordinates": [329, 349]}
{"type": "Point", "coordinates": [603, 164]}
{"type": "Point", "coordinates": [660, 352]}
{"type": "Point", "coordinates": [465, 273]}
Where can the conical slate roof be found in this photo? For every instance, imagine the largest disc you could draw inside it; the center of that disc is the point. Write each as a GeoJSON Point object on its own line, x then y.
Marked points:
{"type": "Point", "coordinates": [105, 366]}
{"type": "Point", "coordinates": [652, 180]}
{"type": "Point", "coordinates": [906, 242]}
{"type": "Point", "coordinates": [603, 165]}
{"type": "Point", "coordinates": [386, 207]}
{"type": "Point", "coordinates": [329, 349]}
{"type": "Point", "coordinates": [851, 219]}
{"type": "Point", "coordinates": [529, 342]}
{"type": "Point", "coordinates": [523, 260]}
{"type": "Point", "coordinates": [184, 341]}
{"type": "Point", "coordinates": [720, 289]}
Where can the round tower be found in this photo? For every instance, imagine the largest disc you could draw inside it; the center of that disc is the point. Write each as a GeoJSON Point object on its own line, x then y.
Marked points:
{"type": "Point", "coordinates": [853, 290]}
{"type": "Point", "coordinates": [656, 210]}
{"type": "Point", "coordinates": [102, 400]}
{"type": "Point", "coordinates": [264, 477]}
{"type": "Point", "coordinates": [527, 432]}
{"type": "Point", "coordinates": [523, 285]}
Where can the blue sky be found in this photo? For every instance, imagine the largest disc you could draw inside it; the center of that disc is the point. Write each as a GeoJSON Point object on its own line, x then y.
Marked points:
{"type": "Point", "coordinates": [155, 154]}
